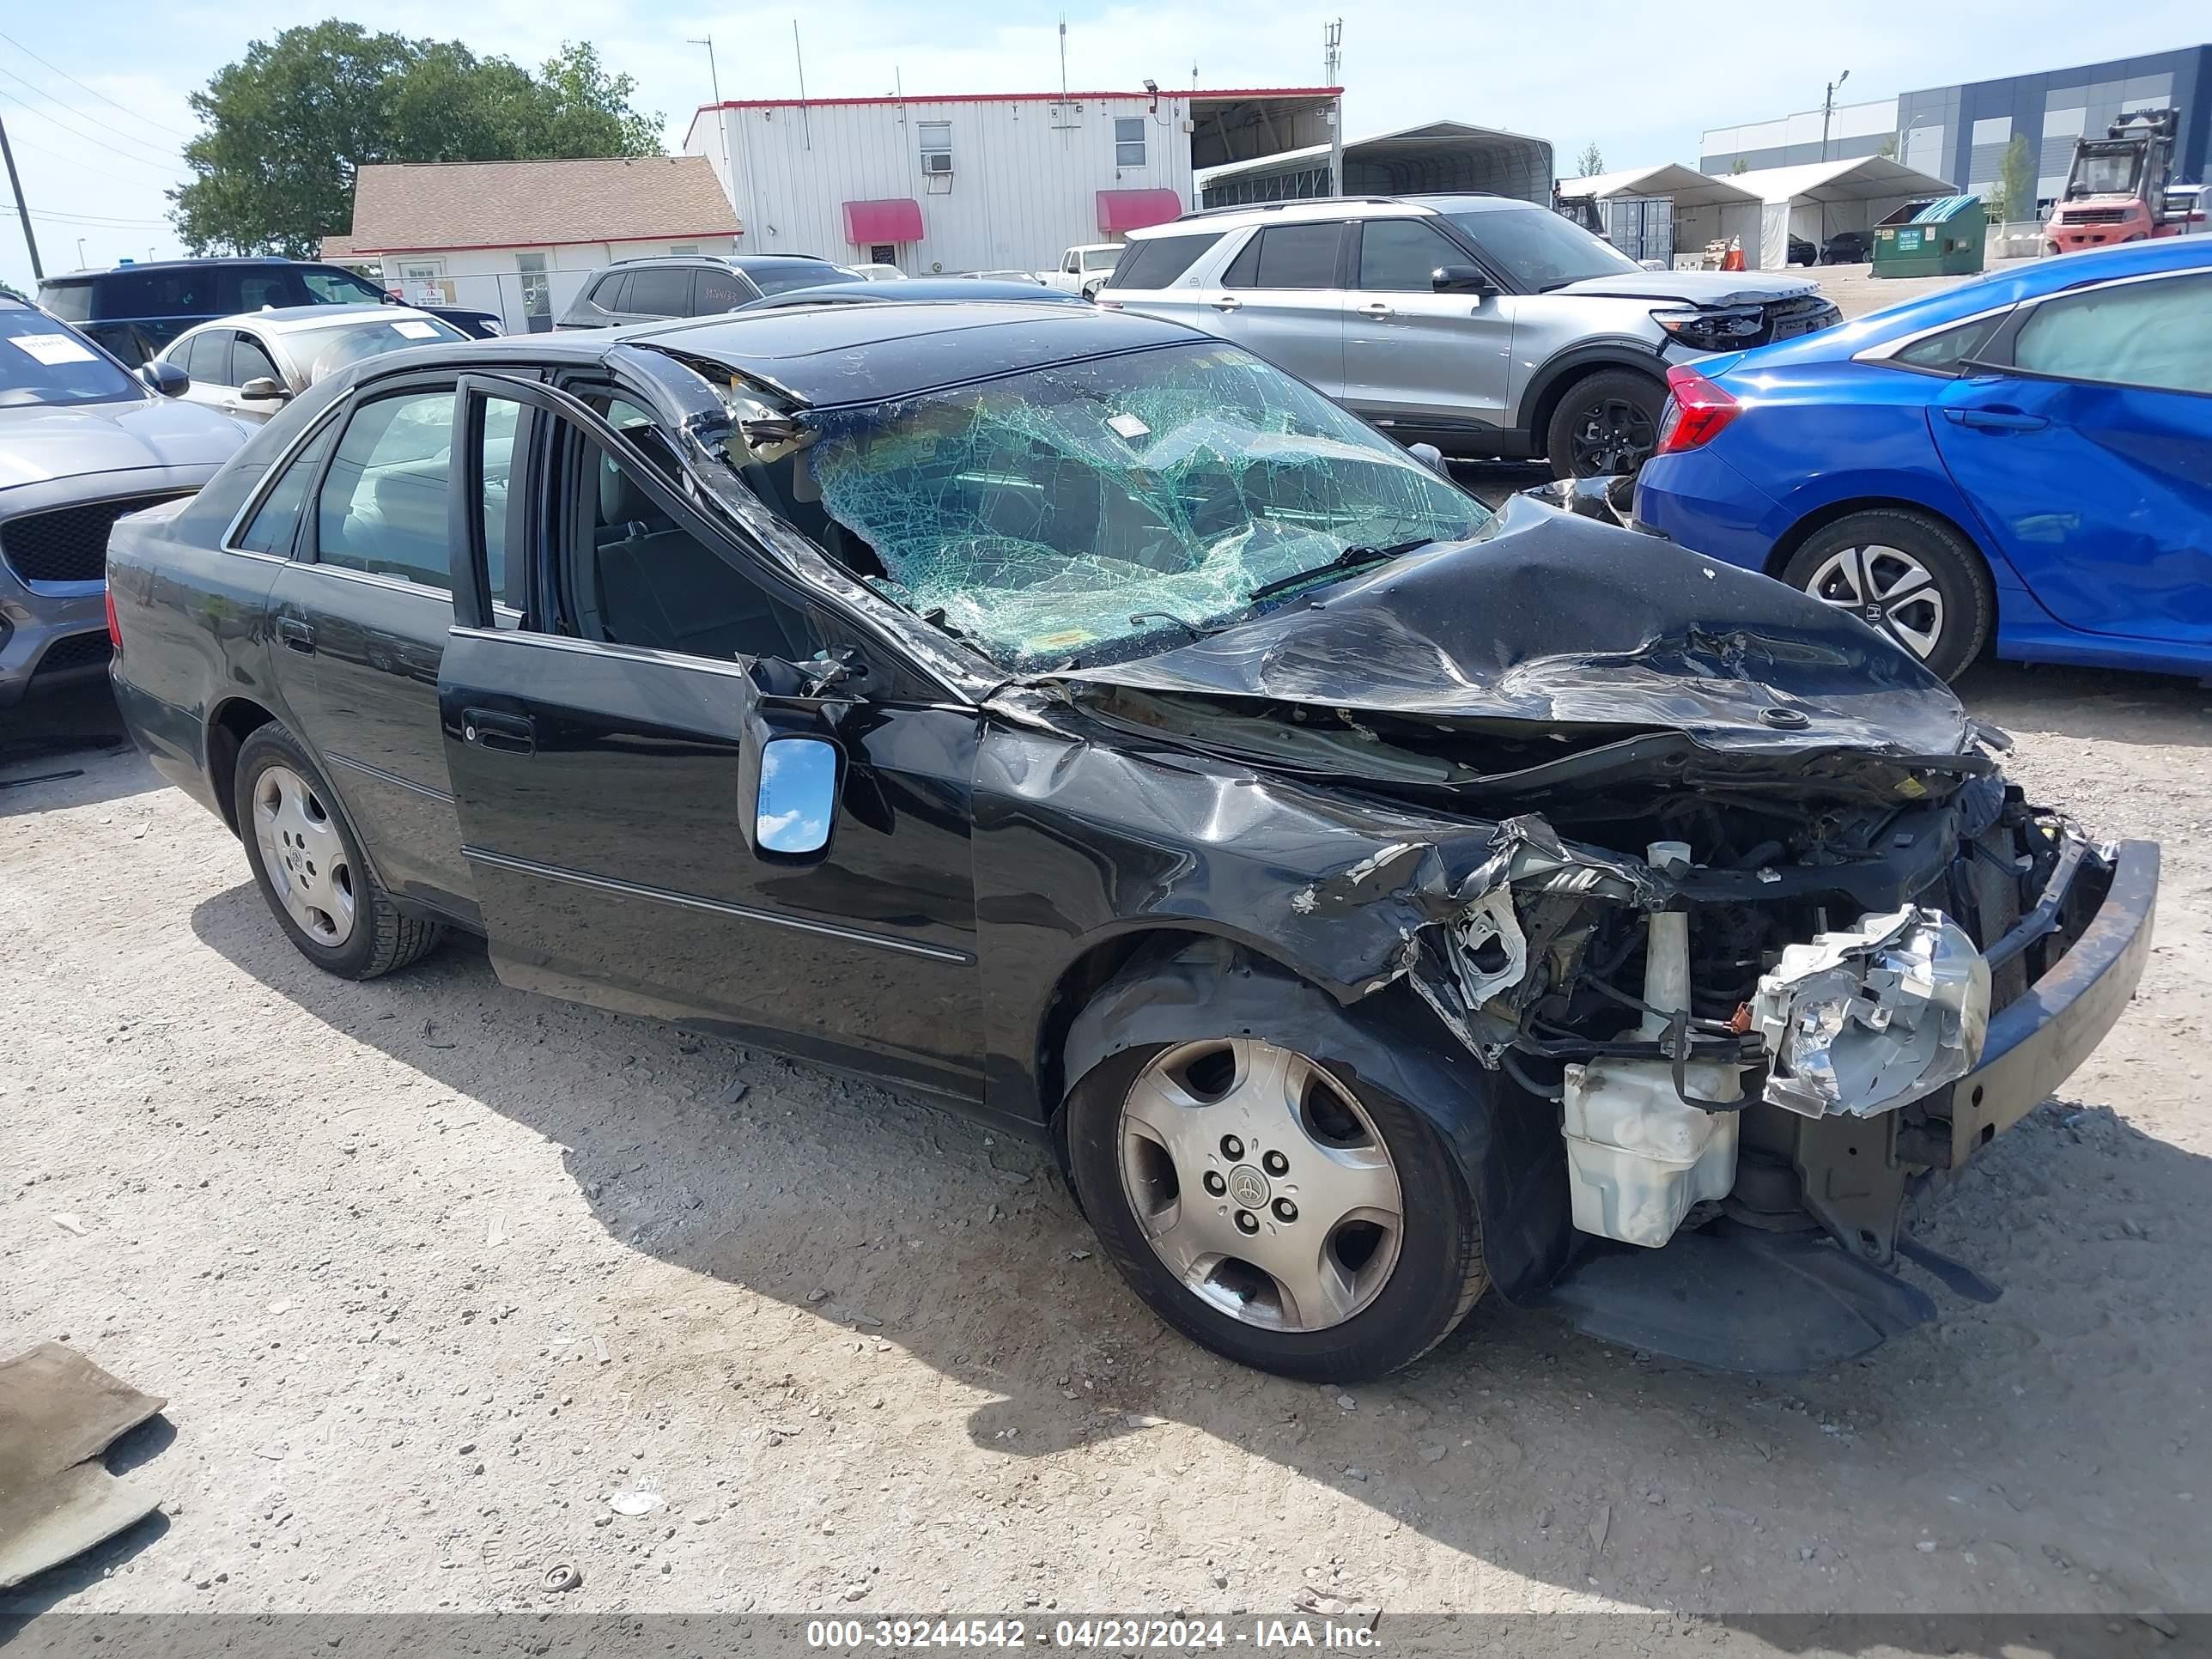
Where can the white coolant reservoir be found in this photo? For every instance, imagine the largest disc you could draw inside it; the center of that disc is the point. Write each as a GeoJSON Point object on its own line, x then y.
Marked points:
{"type": "Point", "coordinates": [1638, 1155]}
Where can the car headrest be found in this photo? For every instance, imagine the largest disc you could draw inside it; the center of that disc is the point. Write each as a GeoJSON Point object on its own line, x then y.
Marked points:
{"type": "Point", "coordinates": [621, 501]}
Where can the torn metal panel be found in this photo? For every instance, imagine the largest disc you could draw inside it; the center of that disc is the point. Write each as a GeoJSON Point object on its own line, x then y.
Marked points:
{"type": "Point", "coordinates": [58, 1411]}
{"type": "Point", "coordinates": [1867, 1018]}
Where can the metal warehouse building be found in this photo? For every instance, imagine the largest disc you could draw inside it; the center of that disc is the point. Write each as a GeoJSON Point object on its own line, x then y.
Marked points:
{"type": "Point", "coordinates": [984, 181]}
{"type": "Point", "coordinates": [1961, 132]}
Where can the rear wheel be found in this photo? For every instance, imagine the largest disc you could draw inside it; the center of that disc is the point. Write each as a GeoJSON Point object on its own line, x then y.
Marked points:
{"type": "Point", "coordinates": [1910, 577]}
{"type": "Point", "coordinates": [1274, 1211]}
{"type": "Point", "coordinates": [1604, 424]}
{"type": "Point", "coordinates": [308, 864]}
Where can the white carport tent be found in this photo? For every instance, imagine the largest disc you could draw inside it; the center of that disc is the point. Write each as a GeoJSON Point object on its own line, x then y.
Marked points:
{"type": "Point", "coordinates": [1819, 198]}
{"type": "Point", "coordinates": [1706, 207]}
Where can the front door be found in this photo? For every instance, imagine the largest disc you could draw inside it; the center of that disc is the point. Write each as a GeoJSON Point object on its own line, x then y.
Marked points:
{"type": "Point", "coordinates": [2087, 455]}
{"type": "Point", "coordinates": [1414, 357]}
{"type": "Point", "coordinates": [609, 754]}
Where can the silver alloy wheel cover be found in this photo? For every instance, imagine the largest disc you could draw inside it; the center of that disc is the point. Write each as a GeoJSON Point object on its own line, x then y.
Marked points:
{"type": "Point", "coordinates": [303, 855]}
{"type": "Point", "coordinates": [1887, 588]}
{"type": "Point", "coordinates": [1286, 1274]}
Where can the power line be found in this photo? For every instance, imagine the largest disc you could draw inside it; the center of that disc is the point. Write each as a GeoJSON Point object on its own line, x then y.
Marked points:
{"type": "Point", "coordinates": [167, 169]}
{"type": "Point", "coordinates": [166, 157]}
{"type": "Point", "coordinates": [98, 173]}
{"type": "Point", "coordinates": [104, 222]}
{"type": "Point", "coordinates": [94, 91]}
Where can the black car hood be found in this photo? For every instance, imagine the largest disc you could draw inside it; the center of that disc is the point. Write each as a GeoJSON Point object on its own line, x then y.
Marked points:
{"type": "Point", "coordinates": [1559, 622]}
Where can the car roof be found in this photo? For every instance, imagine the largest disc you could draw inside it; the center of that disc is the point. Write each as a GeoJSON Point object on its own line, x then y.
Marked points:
{"type": "Point", "coordinates": [1305, 209]}
{"type": "Point", "coordinates": [298, 320]}
{"type": "Point", "coordinates": [964, 289]}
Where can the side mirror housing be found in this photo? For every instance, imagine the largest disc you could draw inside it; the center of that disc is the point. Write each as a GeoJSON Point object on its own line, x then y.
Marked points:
{"type": "Point", "coordinates": [262, 389]}
{"type": "Point", "coordinates": [1461, 279]}
{"type": "Point", "coordinates": [167, 379]}
{"type": "Point", "coordinates": [1429, 456]}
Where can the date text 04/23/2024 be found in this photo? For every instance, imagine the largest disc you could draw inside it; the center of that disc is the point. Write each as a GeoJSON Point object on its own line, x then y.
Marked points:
{"type": "Point", "coordinates": [1111, 1634]}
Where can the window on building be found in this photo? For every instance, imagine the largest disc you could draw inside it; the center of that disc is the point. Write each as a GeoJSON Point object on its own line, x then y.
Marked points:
{"type": "Point", "coordinates": [936, 140]}
{"type": "Point", "coordinates": [537, 287]}
{"type": "Point", "coordinates": [1129, 140]}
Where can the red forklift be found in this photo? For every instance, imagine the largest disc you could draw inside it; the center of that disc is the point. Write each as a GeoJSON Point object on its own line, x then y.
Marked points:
{"type": "Point", "coordinates": [2116, 190]}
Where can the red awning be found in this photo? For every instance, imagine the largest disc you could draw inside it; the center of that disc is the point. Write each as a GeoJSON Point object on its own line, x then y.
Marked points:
{"type": "Point", "coordinates": [895, 219]}
{"type": "Point", "coordinates": [1132, 210]}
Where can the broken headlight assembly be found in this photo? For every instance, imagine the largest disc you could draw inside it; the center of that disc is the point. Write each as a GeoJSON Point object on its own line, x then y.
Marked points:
{"type": "Point", "coordinates": [1732, 328]}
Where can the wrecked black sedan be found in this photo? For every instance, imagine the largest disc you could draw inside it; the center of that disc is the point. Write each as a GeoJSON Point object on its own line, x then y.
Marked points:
{"type": "Point", "coordinates": [1375, 901]}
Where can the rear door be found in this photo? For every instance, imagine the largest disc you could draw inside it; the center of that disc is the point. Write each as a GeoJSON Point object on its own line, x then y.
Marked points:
{"type": "Point", "coordinates": [2087, 455]}
{"type": "Point", "coordinates": [362, 621]}
{"type": "Point", "coordinates": [617, 798]}
{"type": "Point", "coordinates": [1413, 356]}
{"type": "Point", "coordinates": [715, 290]}
{"type": "Point", "coordinates": [1282, 296]}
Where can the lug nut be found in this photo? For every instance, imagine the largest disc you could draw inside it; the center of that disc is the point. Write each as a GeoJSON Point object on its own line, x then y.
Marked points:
{"type": "Point", "coordinates": [1286, 1211]}
{"type": "Point", "coordinates": [1275, 1165]}
{"type": "Point", "coordinates": [1231, 1147]}
{"type": "Point", "coordinates": [1247, 1222]}
{"type": "Point", "coordinates": [1215, 1184]}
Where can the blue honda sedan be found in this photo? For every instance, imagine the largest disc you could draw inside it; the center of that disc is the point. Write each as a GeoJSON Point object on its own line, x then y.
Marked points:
{"type": "Point", "coordinates": [2024, 461]}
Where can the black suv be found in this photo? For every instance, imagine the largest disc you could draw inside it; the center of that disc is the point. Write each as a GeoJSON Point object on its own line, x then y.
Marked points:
{"type": "Point", "coordinates": [694, 285]}
{"type": "Point", "coordinates": [135, 310]}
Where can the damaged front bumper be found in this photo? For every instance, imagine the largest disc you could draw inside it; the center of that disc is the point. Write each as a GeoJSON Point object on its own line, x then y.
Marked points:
{"type": "Point", "coordinates": [1736, 1295]}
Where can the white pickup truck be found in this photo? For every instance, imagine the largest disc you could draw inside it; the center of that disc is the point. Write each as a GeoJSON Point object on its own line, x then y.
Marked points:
{"type": "Point", "coordinates": [1083, 269]}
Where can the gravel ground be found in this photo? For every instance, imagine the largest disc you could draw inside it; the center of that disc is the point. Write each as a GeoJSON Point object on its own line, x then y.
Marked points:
{"type": "Point", "coordinates": [429, 1271]}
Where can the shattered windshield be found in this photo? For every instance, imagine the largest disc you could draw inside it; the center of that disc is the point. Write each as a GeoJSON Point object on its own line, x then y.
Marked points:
{"type": "Point", "coordinates": [1097, 511]}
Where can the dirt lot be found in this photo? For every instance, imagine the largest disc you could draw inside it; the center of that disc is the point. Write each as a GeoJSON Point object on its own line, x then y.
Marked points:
{"type": "Point", "coordinates": [428, 1270]}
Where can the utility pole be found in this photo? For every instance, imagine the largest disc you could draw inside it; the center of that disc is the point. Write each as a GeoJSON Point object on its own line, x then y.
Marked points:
{"type": "Point", "coordinates": [1331, 60]}
{"type": "Point", "coordinates": [22, 208]}
{"type": "Point", "coordinates": [721, 116]}
{"type": "Point", "coordinates": [1828, 108]}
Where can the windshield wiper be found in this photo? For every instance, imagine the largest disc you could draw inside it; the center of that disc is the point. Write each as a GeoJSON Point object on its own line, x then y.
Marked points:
{"type": "Point", "coordinates": [1344, 561]}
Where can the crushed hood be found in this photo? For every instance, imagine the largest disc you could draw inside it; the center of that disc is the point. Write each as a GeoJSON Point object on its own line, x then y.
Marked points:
{"type": "Point", "coordinates": [39, 442]}
{"type": "Point", "coordinates": [1704, 288]}
{"type": "Point", "coordinates": [1560, 621]}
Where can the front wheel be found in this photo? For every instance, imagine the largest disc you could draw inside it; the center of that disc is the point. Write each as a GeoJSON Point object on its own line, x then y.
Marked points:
{"type": "Point", "coordinates": [1605, 425]}
{"type": "Point", "coordinates": [1274, 1211]}
{"type": "Point", "coordinates": [1912, 577]}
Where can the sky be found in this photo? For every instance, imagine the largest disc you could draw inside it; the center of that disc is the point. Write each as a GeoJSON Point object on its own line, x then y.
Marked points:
{"type": "Point", "coordinates": [93, 92]}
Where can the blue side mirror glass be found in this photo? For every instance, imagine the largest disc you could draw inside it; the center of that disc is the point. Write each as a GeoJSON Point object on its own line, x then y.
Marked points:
{"type": "Point", "coordinates": [797, 796]}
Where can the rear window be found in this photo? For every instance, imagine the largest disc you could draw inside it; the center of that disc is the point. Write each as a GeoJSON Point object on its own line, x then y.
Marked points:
{"type": "Point", "coordinates": [1157, 261]}
{"type": "Point", "coordinates": [70, 301]}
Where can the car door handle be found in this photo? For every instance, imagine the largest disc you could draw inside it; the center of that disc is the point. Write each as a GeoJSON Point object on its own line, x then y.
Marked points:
{"type": "Point", "coordinates": [1374, 308]}
{"type": "Point", "coordinates": [1226, 302]}
{"type": "Point", "coordinates": [296, 635]}
{"type": "Point", "coordinates": [488, 728]}
{"type": "Point", "coordinates": [1999, 420]}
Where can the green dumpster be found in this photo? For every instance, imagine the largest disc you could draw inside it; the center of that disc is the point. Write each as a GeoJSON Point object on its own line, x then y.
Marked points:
{"type": "Point", "coordinates": [1946, 237]}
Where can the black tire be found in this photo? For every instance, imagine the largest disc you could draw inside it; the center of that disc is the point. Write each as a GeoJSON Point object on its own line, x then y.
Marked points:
{"type": "Point", "coordinates": [381, 936]}
{"type": "Point", "coordinates": [1438, 1276]}
{"type": "Point", "coordinates": [1604, 424]}
{"type": "Point", "coordinates": [1958, 578]}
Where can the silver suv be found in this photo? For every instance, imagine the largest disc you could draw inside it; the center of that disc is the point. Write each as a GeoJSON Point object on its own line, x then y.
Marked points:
{"type": "Point", "coordinates": [1484, 325]}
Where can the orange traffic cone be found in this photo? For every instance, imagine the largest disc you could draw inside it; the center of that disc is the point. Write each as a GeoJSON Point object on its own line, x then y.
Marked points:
{"type": "Point", "coordinates": [1733, 259]}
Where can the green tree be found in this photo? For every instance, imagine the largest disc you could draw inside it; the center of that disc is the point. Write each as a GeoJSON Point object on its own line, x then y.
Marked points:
{"type": "Point", "coordinates": [1591, 162]}
{"type": "Point", "coordinates": [287, 124]}
{"type": "Point", "coordinates": [2014, 197]}
{"type": "Point", "coordinates": [1741, 165]}
{"type": "Point", "coordinates": [1887, 150]}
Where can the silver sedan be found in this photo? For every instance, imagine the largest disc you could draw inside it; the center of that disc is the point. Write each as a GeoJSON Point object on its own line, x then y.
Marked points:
{"type": "Point", "coordinates": [249, 366]}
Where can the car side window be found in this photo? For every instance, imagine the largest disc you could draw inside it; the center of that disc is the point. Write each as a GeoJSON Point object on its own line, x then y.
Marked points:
{"type": "Point", "coordinates": [713, 292]}
{"type": "Point", "coordinates": [2156, 334]}
{"type": "Point", "coordinates": [659, 291]}
{"type": "Point", "coordinates": [1944, 352]}
{"type": "Point", "coordinates": [638, 576]}
{"type": "Point", "coordinates": [382, 507]}
{"type": "Point", "coordinates": [275, 522]}
{"type": "Point", "coordinates": [607, 292]}
{"type": "Point", "coordinates": [210, 362]}
{"type": "Point", "coordinates": [1399, 256]}
{"type": "Point", "coordinates": [1244, 270]}
{"type": "Point", "coordinates": [250, 360]}
{"type": "Point", "coordinates": [1297, 256]}
{"type": "Point", "coordinates": [505, 465]}
{"type": "Point", "coordinates": [257, 288]}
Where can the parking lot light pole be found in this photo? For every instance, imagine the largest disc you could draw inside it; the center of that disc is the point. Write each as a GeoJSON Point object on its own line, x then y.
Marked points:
{"type": "Point", "coordinates": [22, 208]}
{"type": "Point", "coordinates": [1828, 108]}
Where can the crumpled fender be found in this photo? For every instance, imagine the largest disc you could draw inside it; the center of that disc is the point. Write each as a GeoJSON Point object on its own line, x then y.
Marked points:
{"type": "Point", "coordinates": [1502, 1140]}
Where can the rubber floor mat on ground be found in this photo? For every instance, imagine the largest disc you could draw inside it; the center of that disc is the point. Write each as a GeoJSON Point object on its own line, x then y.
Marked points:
{"type": "Point", "coordinates": [58, 1411]}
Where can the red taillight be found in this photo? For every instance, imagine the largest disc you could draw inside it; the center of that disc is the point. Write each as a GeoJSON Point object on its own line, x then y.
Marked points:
{"type": "Point", "coordinates": [1697, 409]}
{"type": "Point", "coordinates": [114, 628]}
